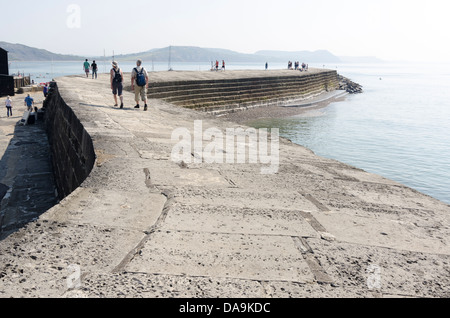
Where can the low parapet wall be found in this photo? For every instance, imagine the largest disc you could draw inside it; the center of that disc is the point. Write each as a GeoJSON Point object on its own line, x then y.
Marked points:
{"type": "Point", "coordinates": [73, 154]}
{"type": "Point", "coordinates": [233, 94]}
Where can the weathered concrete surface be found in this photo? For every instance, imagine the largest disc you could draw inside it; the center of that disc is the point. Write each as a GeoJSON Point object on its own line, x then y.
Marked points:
{"type": "Point", "coordinates": [144, 226]}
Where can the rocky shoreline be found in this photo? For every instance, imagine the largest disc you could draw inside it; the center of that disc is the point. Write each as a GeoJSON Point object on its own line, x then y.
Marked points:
{"type": "Point", "coordinates": [349, 86]}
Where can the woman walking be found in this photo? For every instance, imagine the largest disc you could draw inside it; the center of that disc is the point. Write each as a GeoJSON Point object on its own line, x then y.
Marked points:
{"type": "Point", "coordinates": [8, 106]}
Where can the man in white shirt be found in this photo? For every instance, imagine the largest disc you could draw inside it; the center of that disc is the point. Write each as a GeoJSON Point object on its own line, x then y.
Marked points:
{"type": "Point", "coordinates": [139, 83]}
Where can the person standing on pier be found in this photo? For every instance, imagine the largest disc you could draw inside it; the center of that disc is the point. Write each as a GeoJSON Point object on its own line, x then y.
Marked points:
{"type": "Point", "coordinates": [8, 104]}
{"type": "Point", "coordinates": [117, 83]}
{"type": "Point", "coordinates": [94, 69]}
{"type": "Point", "coordinates": [86, 67]}
{"type": "Point", "coordinates": [45, 90]}
{"type": "Point", "coordinates": [139, 84]}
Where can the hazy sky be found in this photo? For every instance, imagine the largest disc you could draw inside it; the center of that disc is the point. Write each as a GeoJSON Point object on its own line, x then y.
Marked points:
{"type": "Point", "coordinates": [387, 29]}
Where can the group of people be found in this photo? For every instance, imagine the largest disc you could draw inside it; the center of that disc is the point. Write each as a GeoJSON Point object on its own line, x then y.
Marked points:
{"type": "Point", "coordinates": [139, 83]}
{"type": "Point", "coordinates": [88, 67]}
{"type": "Point", "coordinates": [29, 102]}
{"type": "Point", "coordinates": [297, 66]}
{"type": "Point", "coordinates": [215, 66]}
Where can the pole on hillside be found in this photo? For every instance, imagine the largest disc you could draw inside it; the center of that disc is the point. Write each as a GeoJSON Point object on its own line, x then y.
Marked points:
{"type": "Point", "coordinates": [104, 61]}
{"type": "Point", "coordinates": [170, 58]}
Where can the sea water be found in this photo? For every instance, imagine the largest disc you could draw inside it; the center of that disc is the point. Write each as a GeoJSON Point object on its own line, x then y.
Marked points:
{"type": "Point", "coordinates": [398, 128]}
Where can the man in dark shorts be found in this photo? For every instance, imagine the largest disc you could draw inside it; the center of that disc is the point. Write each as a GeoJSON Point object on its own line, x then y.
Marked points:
{"type": "Point", "coordinates": [117, 83]}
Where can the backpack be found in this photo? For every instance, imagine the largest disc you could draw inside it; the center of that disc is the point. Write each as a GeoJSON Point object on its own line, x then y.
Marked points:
{"type": "Point", "coordinates": [117, 77]}
{"type": "Point", "coordinates": [140, 78]}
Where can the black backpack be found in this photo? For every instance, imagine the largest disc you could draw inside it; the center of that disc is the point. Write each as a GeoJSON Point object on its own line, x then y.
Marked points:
{"type": "Point", "coordinates": [117, 77]}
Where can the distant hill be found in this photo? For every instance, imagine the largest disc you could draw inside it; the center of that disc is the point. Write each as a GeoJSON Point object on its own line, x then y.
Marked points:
{"type": "Point", "coordinates": [20, 52]}
{"type": "Point", "coordinates": [190, 54]}
{"type": "Point", "coordinates": [197, 54]}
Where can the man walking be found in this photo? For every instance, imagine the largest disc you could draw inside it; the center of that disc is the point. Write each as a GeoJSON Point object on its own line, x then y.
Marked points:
{"type": "Point", "coordinates": [29, 102]}
{"type": "Point", "coordinates": [86, 67]}
{"type": "Point", "coordinates": [8, 105]}
{"type": "Point", "coordinates": [94, 69]}
{"type": "Point", "coordinates": [139, 83]}
{"type": "Point", "coordinates": [117, 83]}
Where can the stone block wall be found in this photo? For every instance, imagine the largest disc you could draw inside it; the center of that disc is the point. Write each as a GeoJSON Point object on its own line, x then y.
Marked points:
{"type": "Point", "coordinates": [73, 155]}
{"type": "Point", "coordinates": [229, 95]}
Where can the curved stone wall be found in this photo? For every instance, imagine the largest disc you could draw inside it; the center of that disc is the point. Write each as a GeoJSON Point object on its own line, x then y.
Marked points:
{"type": "Point", "coordinates": [73, 154]}
{"type": "Point", "coordinates": [229, 95]}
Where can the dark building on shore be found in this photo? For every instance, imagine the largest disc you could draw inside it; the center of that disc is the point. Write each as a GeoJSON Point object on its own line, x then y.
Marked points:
{"type": "Point", "coordinates": [6, 81]}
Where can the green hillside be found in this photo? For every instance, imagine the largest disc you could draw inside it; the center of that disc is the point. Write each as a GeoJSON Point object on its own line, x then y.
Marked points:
{"type": "Point", "coordinates": [20, 52]}
{"type": "Point", "coordinates": [190, 54]}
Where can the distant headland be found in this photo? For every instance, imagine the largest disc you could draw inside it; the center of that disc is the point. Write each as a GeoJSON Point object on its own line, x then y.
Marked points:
{"type": "Point", "coordinates": [20, 52]}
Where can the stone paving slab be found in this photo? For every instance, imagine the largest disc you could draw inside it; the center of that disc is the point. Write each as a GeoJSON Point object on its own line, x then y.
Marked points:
{"type": "Point", "coordinates": [400, 272]}
{"type": "Point", "coordinates": [383, 232]}
{"type": "Point", "coordinates": [129, 210]}
{"type": "Point", "coordinates": [251, 257]}
{"type": "Point", "coordinates": [242, 198]}
{"type": "Point", "coordinates": [228, 219]}
{"type": "Point", "coordinates": [141, 285]}
{"type": "Point", "coordinates": [37, 263]}
{"type": "Point", "coordinates": [162, 175]}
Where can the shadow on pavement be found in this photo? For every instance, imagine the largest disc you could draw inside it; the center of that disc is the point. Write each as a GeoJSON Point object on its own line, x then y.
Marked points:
{"type": "Point", "coordinates": [27, 187]}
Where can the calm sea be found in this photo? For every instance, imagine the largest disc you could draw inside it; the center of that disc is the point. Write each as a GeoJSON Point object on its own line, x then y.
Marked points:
{"type": "Point", "coordinates": [398, 128]}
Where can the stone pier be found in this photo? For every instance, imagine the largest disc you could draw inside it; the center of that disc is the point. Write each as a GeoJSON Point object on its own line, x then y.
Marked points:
{"type": "Point", "coordinates": [220, 92]}
{"type": "Point", "coordinates": [143, 225]}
